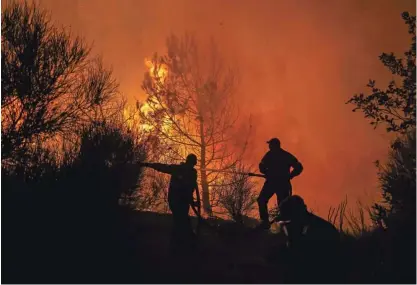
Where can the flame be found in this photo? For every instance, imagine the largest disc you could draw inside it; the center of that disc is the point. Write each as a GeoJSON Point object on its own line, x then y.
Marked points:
{"type": "Point", "coordinates": [158, 72]}
{"type": "Point", "coordinates": [132, 118]}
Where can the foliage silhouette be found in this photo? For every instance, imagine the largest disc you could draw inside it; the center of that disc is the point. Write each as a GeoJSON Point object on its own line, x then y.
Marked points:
{"type": "Point", "coordinates": [398, 182]}
{"type": "Point", "coordinates": [50, 84]}
{"type": "Point", "coordinates": [395, 106]}
{"type": "Point", "coordinates": [75, 210]}
{"type": "Point", "coordinates": [388, 251]}
{"type": "Point", "coordinates": [68, 164]}
{"type": "Point", "coordinates": [235, 194]}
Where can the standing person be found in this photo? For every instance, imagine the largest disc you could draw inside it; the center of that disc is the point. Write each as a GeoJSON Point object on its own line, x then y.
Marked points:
{"type": "Point", "coordinates": [276, 166]}
{"type": "Point", "coordinates": [180, 196]}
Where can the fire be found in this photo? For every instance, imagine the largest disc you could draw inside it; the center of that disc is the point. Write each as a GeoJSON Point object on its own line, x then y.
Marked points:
{"type": "Point", "coordinates": [132, 117]}
{"type": "Point", "coordinates": [158, 73]}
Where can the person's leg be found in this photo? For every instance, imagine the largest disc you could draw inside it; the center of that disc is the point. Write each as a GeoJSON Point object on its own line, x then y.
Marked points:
{"type": "Point", "coordinates": [283, 192]}
{"type": "Point", "coordinates": [176, 225]}
{"type": "Point", "coordinates": [191, 238]}
{"type": "Point", "coordinates": [266, 194]}
{"type": "Point", "coordinates": [185, 230]}
{"type": "Point", "coordinates": [186, 221]}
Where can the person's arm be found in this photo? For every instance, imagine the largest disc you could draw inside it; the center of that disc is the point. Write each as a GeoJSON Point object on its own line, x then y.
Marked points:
{"type": "Point", "coordinates": [262, 166]}
{"type": "Point", "coordinates": [297, 168]}
{"type": "Point", "coordinates": [197, 194]}
{"type": "Point", "coordinates": [164, 168]}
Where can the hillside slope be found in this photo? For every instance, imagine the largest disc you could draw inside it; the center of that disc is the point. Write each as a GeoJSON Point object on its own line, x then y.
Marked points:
{"type": "Point", "coordinates": [230, 254]}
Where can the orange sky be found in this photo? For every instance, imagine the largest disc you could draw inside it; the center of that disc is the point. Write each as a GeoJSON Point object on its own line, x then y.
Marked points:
{"type": "Point", "coordinates": [300, 60]}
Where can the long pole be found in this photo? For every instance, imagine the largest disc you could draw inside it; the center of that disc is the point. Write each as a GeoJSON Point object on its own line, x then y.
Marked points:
{"type": "Point", "coordinates": [234, 172]}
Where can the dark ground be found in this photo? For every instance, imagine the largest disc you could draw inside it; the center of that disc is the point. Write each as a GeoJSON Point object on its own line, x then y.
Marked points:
{"type": "Point", "coordinates": [228, 254]}
{"type": "Point", "coordinates": [133, 247]}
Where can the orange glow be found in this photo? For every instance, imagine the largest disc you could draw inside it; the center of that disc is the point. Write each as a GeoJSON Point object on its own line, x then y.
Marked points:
{"type": "Point", "coordinates": [157, 72]}
{"type": "Point", "coordinates": [299, 62]}
{"type": "Point", "coordinates": [132, 117]}
{"type": "Point", "coordinates": [10, 114]}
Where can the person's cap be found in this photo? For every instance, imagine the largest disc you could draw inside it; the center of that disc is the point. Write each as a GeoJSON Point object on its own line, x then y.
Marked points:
{"type": "Point", "coordinates": [273, 141]}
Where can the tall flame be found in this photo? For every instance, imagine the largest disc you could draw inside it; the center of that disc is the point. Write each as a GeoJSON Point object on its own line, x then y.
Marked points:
{"type": "Point", "coordinates": [158, 72]}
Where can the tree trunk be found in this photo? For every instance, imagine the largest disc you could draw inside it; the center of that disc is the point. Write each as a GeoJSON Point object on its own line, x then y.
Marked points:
{"type": "Point", "coordinates": [203, 173]}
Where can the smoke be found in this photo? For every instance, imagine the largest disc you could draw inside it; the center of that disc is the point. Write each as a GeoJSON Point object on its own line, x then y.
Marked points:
{"type": "Point", "coordinates": [299, 63]}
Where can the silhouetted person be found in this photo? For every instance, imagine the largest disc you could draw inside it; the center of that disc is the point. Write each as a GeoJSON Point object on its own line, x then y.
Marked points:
{"type": "Point", "coordinates": [312, 253]}
{"type": "Point", "coordinates": [276, 165]}
{"type": "Point", "coordinates": [180, 196]}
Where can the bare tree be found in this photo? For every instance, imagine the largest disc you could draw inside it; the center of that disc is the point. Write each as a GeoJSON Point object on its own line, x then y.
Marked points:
{"type": "Point", "coordinates": [191, 107]}
{"type": "Point", "coordinates": [235, 194]}
{"type": "Point", "coordinates": [49, 83]}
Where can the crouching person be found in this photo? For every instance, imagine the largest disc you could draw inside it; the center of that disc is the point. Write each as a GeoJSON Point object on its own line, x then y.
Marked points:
{"type": "Point", "coordinates": [312, 250]}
